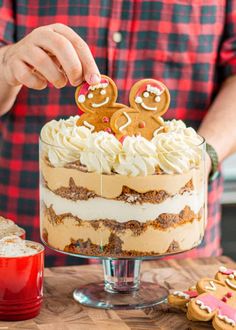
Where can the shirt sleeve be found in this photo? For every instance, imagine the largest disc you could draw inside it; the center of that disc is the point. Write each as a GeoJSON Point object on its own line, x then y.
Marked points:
{"type": "Point", "coordinates": [7, 25]}
{"type": "Point", "coordinates": [227, 55]}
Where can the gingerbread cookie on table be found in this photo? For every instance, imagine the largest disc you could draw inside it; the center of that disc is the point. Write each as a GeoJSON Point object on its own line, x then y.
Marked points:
{"type": "Point", "coordinates": [216, 301]}
{"type": "Point", "coordinates": [228, 276]}
{"type": "Point", "coordinates": [180, 299]}
{"type": "Point", "coordinates": [149, 100]}
{"type": "Point", "coordinates": [98, 102]}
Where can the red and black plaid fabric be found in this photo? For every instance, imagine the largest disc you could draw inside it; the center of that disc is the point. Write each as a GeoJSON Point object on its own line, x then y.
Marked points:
{"type": "Point", "coordinates": [189, 45]}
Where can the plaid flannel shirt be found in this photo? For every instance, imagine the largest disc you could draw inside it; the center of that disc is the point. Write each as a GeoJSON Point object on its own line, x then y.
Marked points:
{"type": "Point", "coordinates": [189, 45]}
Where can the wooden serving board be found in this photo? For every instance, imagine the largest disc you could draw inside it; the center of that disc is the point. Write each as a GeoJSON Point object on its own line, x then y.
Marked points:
{"type": "Point", "coordinates": [61, 312]}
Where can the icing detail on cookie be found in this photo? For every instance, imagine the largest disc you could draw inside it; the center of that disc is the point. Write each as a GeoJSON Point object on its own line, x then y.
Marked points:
{"type": "Point", "coordinates": [105, 119]}
{"type": "Point", "coordinates": [232, 285]}
{"type": "Point", "coordinates": [215, 303]}
{"type": "Point", "coordinates": [188, 294]}
{"type": "Point", "coordinates": [157, 99]}
{"type": "Point", "coordinates": [229, 294]}
{"type": "Point", "coordinates": [203, 306]}
{"type": "Point", "coordinates": [226, 320]}
{"type": "Point", "coordinates": [146, 107]}
{"type": "Point", "coordinates": [141, 124]}
{"type": "Point", "coordinates": [138, 99]}
{"type": "Point", "coordinates": [127, 123]}
{"type": "Point", "coordinates": [103, 84]}
{"type": "Point", "coordinates": [81, 98]}
{"type": "Point", "coordinates": [86, 91]}
{"type": "Point", "coordinates": [108, 130]}
{"type": "Point", "coordinates": [97, 105]}
{"type": "Point", "coordinates": [145, 92]}
{"type": "Point", "coordinates": [181, 294]}
{"type": "Point", "coordinates": [88, 125]}
{"type": "Point", "coordinates": [226, 271]}
{"type": "Point", "coordinates": [192, 293]}
{"type": "Point", "coordinates": [211, 287]}
{"type": "Point", "coordinates": [157, 89]}
{"type": "Point", "coordinates": [157, 131]}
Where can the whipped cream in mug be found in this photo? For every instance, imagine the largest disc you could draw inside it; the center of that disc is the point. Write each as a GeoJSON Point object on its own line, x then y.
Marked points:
{"type": "Point", "coordinates": [14, 246]}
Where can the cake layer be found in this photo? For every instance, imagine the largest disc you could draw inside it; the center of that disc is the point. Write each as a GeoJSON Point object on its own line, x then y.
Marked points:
{"type": "Point", "coordinates": [86, 238]}
{"type": "Point", "coordinates": [111, 186]}
{"type": "Point", "coordinates": [101, 208]}
{"type": "Point", "coordinates": [128, 195]}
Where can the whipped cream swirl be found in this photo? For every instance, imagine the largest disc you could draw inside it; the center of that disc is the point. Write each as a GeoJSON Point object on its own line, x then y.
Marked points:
{"type": "Point", "coordinates": [138, 157]}
{"type": "Point", "coordinates": [178, 150]}
{"type": "Point", "coordinates": [65, 140]}
{"type": "Point", "coordinates": [102, 153]}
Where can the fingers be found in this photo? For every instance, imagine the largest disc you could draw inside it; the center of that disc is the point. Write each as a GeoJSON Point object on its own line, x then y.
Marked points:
{"type": "Point", "coordinates": [56, 53]}
{"type": "Point", "coordinates": [25, 76]}
{"type": "Point", "coordinates": [90, 69]}
{"type": "Point", "coordinates": [45, 66]}
{"type": "Point", "coordinates": [62, 48]}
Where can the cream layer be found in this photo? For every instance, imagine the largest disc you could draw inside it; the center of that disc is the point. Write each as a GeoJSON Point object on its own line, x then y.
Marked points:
{"type": "Point", "coordinates": [110, 186]}
{"type": "Point", "coordinates": [60, 235]}
{"type": "Point", "coordinates": [101, 208]}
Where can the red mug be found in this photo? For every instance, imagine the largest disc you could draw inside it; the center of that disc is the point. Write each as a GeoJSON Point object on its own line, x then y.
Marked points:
{"type": "Point", "coordinates": [21, 285]}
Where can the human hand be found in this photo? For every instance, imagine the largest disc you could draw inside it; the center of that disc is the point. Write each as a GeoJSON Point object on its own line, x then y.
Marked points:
{"type": "Point", "coordinates": [52, 53]}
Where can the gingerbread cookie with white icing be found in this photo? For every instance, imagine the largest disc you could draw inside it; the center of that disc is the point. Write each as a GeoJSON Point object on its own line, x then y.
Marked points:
{"type": "Point", "coordinates": [180, 299]}
{"type": "Point", "coordinates": [216, 301]}
{"type": "Point", "coordinates": [228, 276]}
{"type": "Point", "coordinates": [98, 102]}
{"type": "Point", "coordinates": [149, 100]}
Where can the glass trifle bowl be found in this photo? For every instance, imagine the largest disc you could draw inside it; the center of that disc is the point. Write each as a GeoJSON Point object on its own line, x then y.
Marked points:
{"type": "Point", "coordinates": [121, 202]}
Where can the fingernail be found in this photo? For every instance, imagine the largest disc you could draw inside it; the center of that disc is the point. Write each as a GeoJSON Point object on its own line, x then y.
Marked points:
{"type": "Point", "coordinates": [94, 78]}
{"type": "Point", "coordinates": [77, 82]}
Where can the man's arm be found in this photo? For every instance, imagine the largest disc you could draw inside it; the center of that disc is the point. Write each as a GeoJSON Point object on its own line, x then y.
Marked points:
{"type": "Point", "coordinates": [219, 125]}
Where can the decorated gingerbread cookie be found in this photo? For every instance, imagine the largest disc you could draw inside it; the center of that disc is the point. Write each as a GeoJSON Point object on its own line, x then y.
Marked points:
{"type": "Point", "coordinates": [98, 102]}
{"type": "Point", "coordinates": [180, 299]}
{"type": "Point", "coordinates": [228, 276]}
{"type": "Point", "coordinates": [216, 301]}
{"type": "Point", "coordinates": [149, 100]}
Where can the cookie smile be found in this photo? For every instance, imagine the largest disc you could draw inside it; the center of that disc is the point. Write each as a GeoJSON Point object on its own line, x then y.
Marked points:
{"type": "Point", "coordinates": [97, 105]}
{"type": "Point", "coordinates": [147, 107]}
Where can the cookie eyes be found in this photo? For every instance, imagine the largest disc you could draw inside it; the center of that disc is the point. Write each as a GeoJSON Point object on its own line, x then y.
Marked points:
{"type": "Point", "coordinates": [147, 94]}
{"type": "Point", "coordinates": [231, 276]}
{"type": "Point", "coordinates": [103, 92]}
{"type": "Point", "coordinates": [90, 95]}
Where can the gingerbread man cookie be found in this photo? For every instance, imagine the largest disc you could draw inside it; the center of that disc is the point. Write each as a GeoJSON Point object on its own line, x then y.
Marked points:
{"type": "Point", "coordinates": [149, 100]}
{"type": "Point", "coordinates": [228, 276]}
{"type": "Point", "coordinates": [216, 302]}
{"type": "Point", "coordinates": [180, 299]}
{"type": "Point", "coordinates": [98, 102]}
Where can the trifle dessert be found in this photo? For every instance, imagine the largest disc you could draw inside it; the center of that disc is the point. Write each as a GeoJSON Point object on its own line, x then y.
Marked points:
{"type": "Point", "coordinates": [107, 195]}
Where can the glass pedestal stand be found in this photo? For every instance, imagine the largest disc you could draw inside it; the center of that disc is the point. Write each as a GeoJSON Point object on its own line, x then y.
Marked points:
{"type": "Point", "coordinates": [122, 288]}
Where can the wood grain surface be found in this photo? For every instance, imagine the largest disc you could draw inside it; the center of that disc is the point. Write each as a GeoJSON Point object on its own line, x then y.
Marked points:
{"type": "Point", "coordinates": [61, 312]}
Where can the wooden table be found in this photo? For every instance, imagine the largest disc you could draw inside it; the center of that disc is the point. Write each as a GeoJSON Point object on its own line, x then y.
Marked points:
{"type": "Point", "coordinates": [61, 312]}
